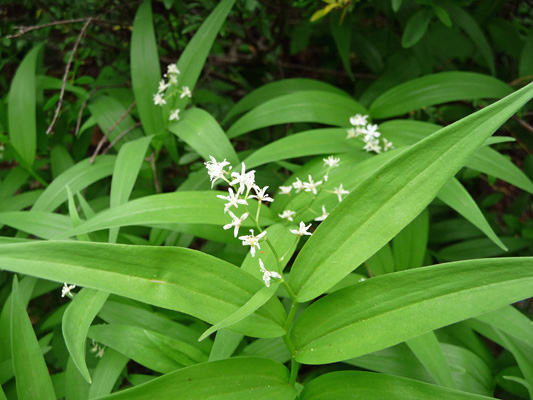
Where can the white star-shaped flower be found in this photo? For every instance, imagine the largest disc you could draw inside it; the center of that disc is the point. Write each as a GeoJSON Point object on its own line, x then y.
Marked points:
{"type": "Point", "coordinates": [267, 275]}
{"type": "Point", "coordinates": [311, 186]}
{"type": "Point", "coordinates": [285, 189]}
{"type": "Point", "coordinates": [354, 132]}
{"type": "Point", "coordinates": [162, 86]}
{"type": "Point", "coordinates": [173, 80]}
{"type": "Point", "coordinates": [298, 185]}
{"type": "Point", "coordinates": [245, 179]}
{"type": "Point", "coordinates": [159, 100]}
{"type": "Point", "coordinates": [236, 222]}
{"type": "Point", "coordinates": [173, 69]}
{"type": "Point", "coordinates": [372, 145]}
{"type": "Point", "coordinates": [65, 290]}
{"type": "Point", "coordinates": [100, 353]}
{"type": "Point", "coordinates": [174, 115]}
{"type": "Point", "coordinates": [232, 200]}
{"type": "Point", "coordinates": [302, 230]}
{"type": "Point", "coordinates": [287, 214]}
{"type": "Point", "coordinates": [331, 162]}
{"type": "Point", "coordinates": [215, 169]}
{"type": "Point", "coordinates": [340, 191]}
{"type": "Point", "coordinates": [358, 120]}
{"type": "Point", "coordinates": [260, 194]}
{"type": "Point", "coordinates": [371, 132]}
{"type": "Point", "coordinates": [185, 92]}
{"type": "Point", "coordinates": [323, 216]}
{"type": "Point", "coordinates": [252, 241]}
{"type": "Point", "coordinates": [387, 145]}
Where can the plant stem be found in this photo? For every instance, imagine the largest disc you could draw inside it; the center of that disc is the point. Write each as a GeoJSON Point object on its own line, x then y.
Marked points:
{"type": "Point", "coordinates": [295, 366]}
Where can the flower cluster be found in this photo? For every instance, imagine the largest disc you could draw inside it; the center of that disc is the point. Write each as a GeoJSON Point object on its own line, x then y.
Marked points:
{"type": "Point", "coordinates": [369, 133]}
{"type": "Point", "coordinates": [66, 290]}
{"type": "Point", "coordinates": [168, 89]}
{"type": "Point", "coordinates": [97, 349]}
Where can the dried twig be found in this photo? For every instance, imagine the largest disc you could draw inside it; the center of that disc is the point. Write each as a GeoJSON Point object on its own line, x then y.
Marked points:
{"type": "Point", "coordinates": [65, 76]}
{"type": "Point", "coordinates": [25, 29]}
{"type": "Point", "coordinates": [126, 131]}
{"type": "Point", "coordinates": [154, 172]}
{"type": "Point", "coordinates": [118, 121]}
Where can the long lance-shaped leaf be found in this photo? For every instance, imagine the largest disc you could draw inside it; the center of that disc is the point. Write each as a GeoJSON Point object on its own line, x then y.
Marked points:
{"type": "Point", "coordinates": [236, 379]}
{"type": "Point", "coordinates": [168, 208]}
{"type": "Point", "coordinates": [357, 320]}
{"type": "Point", "coordinates": [175, 278]}
{"type": "Point", "coordinates": [352, 385]}
{"type": "Point", "coordinates": [380, 206]}
{"type": "Point", "coordinates": [145, 69]}
{"type": "Point", "coordinates": [76, 322]}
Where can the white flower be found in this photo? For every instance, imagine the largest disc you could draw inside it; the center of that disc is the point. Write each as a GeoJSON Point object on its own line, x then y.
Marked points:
{"type": "Point", "coordinates": [215, 169]}
{"type": "Point", "coordinates": [65, 290]}
{"type": "Point", "coordinates": [354, 132]}
{"type": "Point", "coordinates": [173, 69]}
{"type": "Point", "coordinates": [287, 214]}
{"type": "Point", "coordinates": [232, 200]}
{"type": "Point", "coordinates": [311, 186]}
{"type": "Point", "coordinates": [331, 162]}
{"type": "Point", "coordinates": [94, 349]}
{"type": "Point", "coordinates": [302, 230]}
{"type": "Point", "coordinates": [252, 241]}
{"type": "Point", "coordinates": [387, 145]}
{"type": "Point", "coordinates": [173, 80]}
{"type": "Point", "coordinates": [267, 275]}
{"type": "Point", "coordinates": [298, 185]}
{"type": "Point", "coordinates": [323, 216]}
{"type": "Point", "coordinates": [159, 100]}
{"type": "Point", "coordinates": [285, 189]}
{"type": "Point", "coordinates": [372, 145]}
{"type": "Point", "coordinates": [260, 194]}
{"type": "Point", "coordinates": [236, 222]}
{"type": "Point", "coordinates": [358, 120]}
{"type": "Point", "coordinates": [371, 132]}
{"type": "Point", "coordinates": [244, 179]}
{"type": "Point", "coordinates": [185, 92]}
{"type": "Point", "coordinates": [100, 353]}
{"type": "Point", "coordinates": [162, 86]}
{"type": "Point", "coordinates": [174, 115]}
{"type": "Point", "coordinates": [340, 191]}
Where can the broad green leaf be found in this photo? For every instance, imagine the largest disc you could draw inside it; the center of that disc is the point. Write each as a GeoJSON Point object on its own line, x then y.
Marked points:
{"type": "Point", "coordinates": [382, 262]}
{"type": "Point", "coordinates": [145, 70]}
{"type": "Point", "coordinates": [60, 160]}
{"type": "Point", "coordinates": [12, 182]}
{"type": "Point", "coordinates": [183, 353]}
{"type": "Point", "coordinates": [107, 372]}
{"type": "Point", "coordinates": [44, 225]}
{"type": "Point", "coordinates": [168, 208]}
{"type": "Point", "coordinates": [274, 349]}
{"type": "Point", "coordinates": [192, 60]}
{"type": "Point", "coordinates": [277, 89]}
{"type": "Point", "coordinates": [127, 166]}
{"type": "Point", "coordinates": [416, 27]}
{"type": "Point", "coordinates": [226, 342]}
{"type": "Point", "coordinates": [396, 4]}
{"type": "Point", "coordinates": [175, 278]}
{"type": "Point", "coordinates": [442, 15]}
{"type": "Point", "coordinates": [391, 197]}
{"type": "Point", "coordinates": [21, 112]}
{"type": "Point", "coordinates": [77, 178]}
{"type": "Point", "coordinates": [428, 350]}
{"type": "Point", "coordinates": [307, 143]}
{"type": "Point", "coordinates": [218, 380]}
{"type": "Point", "coordinates": [353, 321]}
{"type": "Point", "coordinates": [409, 246]}
{"type": "Point", "coordinates": [310, 106]}
{"type": "Point", "coordinates": [202, 132]}
{"type": "Point", "coordinates": [510, 321]}
{"type": "Point", "coordinates": [469, 25]}
{"type": "Point", "coordinates": [76, 322]}
{"type": "Point", "coordinates": [523, 355]}
{"type": "Point", "coordinates": [50, 83]}
{"type": "Point", "coordinates": [31, 374]}
{"type": "Point", "coordinates": [342, 34]}
{"type": "Point", "coordinates": [481, 248]}
{"type": "Point", "coordinates": [76, 387]}
{"type": "Point", "coordinates": [352, 385]}
{"type": "Point", "coordinates": [20, 201]}
{"type": "Point", "coordinates": [257, 300]}
{"type": "Point", "coordinates": [525, 67]}
{"type": "Point", "coordinates": [434, 89]}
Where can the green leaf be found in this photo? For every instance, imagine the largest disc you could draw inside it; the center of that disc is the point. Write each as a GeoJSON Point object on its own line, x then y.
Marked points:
{"type": "Point", "coordinates": [145, 70]}
{"type": "Point", "coordinates": [409, 246]}
{"type": "Point", "coordinates": [434, 89]}
{"type": "Point", "coordinates": [76, 387]}
{"type": "Point", "coordinates": [21, 112]}
{"type": "Point", "coordinates": [442, 15]}
{"type": "Point", "coordinates": [352, 385]}
{"type": "Point", "coordinates": [353, 321]}
{"type": "Point", "coordinates": [44, 225]}
{"type": "Point", "coordinates": [309, 106]}
{"type": "Point", "coordinates": [481, 248]}
{"type": "Point", "coordinates": [416, 27]}
{"type": "Point", "coordinates": [127, 166]}
{"type": "Point", "coordinates": [202, 132]}
{"type": "Point", "coordinates": [396, 4]}
{"type": "Point", "coordinates": [276, 89]}
{"type": "Point", "coordinates": [265, 380]}
{"type": "Point", "coordinates": [175, 278]}
{"type": "Point", "coordinates": [183, 353]}
{"type": "Point", "coordinates": [510, 321]}
{"type": "Point", "coordinates": [168, 208]}
{"type": "Point", "coordinates": [77, 178]}
{"type": "Point", "coordinates": [523, 355]}
{"type": "Point", "coordinates": [341, 32]}
{"type": "Point", "coordinates": [391, 197]}
{"type": "Point", "coordinates": [31, 374]}
{"type": "Point", "coordinates": [525, 67]}
{"type": "Point", "coordinates": [107, 372]}
{"type": "Point", "coordinates": [76, 322]}
{"type": "Point", "coordinates": [226, 342]}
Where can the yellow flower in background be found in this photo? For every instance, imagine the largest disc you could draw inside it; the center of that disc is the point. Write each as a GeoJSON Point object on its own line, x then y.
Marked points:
{"type": "Point", "coordinates": [332, 4]}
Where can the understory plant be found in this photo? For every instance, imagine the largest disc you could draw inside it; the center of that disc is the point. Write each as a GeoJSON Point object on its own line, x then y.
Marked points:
{"type": "Point", "coordinates": [345, 260]}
